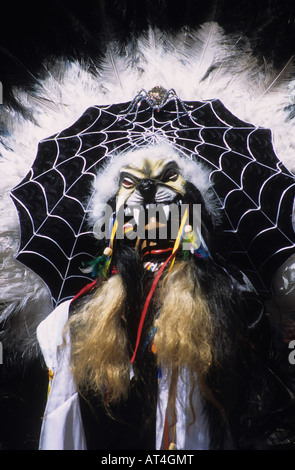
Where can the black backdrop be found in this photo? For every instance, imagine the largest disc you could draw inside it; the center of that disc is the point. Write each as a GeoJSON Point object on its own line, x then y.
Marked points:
{"type": "Point", "coordinates": [33, 31]}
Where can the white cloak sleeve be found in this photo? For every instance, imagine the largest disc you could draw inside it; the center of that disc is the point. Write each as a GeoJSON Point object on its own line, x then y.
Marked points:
{"type": "Point", "coordinates": [62, 427]}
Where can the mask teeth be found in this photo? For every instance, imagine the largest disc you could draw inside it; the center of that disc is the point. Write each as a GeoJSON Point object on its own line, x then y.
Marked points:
{"type": "Point", "coordinates": [166, 210]}
{"type": "Point", "coordinates": [134, 212]}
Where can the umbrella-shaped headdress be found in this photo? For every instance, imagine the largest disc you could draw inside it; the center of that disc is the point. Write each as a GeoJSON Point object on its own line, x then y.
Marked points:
{"type": "Point", "coordinates": [255, 190]}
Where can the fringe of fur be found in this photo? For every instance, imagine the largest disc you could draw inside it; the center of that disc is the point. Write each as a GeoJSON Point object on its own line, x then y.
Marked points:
{"type": "Point", "coordinates": [98, 333]}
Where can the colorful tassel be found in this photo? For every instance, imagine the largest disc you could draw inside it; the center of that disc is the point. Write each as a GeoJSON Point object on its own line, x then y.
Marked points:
{"type": "Point", "coordinates": [190, 238]}
{"type": "Point", "coordinates": [179, 236]}
{"type": "Point", "coordinates": [50, 380]}
{"type": "Point", "coordinates": [98, 267]}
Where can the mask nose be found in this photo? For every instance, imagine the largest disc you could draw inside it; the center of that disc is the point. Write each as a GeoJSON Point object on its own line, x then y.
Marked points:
{"type": "Point", "coordinates": [147, 188]}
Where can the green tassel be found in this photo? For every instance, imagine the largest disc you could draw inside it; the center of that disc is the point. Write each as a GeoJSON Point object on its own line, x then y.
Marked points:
{"type": "Point", "coordinates": [185, 255]}
{"type": "Point", "coordinates": [98, 266]}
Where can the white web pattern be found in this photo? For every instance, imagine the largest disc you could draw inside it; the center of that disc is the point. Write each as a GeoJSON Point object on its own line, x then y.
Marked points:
{"type": "Point", "coordinates": [53, 202]}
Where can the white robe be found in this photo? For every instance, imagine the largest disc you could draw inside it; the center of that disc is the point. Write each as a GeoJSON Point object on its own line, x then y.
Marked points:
{"type": "Point", "coordinates": [62, 427]}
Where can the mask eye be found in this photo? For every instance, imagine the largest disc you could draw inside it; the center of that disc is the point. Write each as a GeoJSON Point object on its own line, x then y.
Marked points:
{"type": "Point", "coordinates": [128, 183]}
{"type": "Point", "coordinates": [170, 175]}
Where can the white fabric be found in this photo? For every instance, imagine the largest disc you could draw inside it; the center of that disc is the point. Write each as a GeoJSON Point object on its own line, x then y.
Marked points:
{"type": "Point", "coordinates": [188, 436]}
{"type": "Point", "coordinates": [62, 426]}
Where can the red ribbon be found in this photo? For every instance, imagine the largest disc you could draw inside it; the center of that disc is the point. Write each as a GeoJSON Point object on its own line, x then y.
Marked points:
{"type": "Point", "coordinates": [146, 305]}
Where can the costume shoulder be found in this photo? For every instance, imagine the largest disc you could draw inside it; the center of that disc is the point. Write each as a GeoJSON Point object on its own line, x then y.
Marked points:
{"type": "Point", "coordinates": [50, 333]}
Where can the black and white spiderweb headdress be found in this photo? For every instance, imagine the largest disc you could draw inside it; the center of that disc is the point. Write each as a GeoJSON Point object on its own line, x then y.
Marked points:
{"type": "Point", "coordinates": [255, 190]}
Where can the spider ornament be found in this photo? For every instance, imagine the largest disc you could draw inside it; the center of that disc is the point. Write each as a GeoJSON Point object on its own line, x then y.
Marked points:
{"type": "Point", "coordinates": [157, 98]}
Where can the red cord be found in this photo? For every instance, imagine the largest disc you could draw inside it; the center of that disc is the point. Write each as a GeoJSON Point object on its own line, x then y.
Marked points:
{"type": "Point", "coordinates": [146, 305]}
{"type": "Point", "coordinates": [85, 289]}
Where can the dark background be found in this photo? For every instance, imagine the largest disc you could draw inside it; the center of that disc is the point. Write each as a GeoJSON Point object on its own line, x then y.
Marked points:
{"type": "Point", "coordinates": [33, 31]}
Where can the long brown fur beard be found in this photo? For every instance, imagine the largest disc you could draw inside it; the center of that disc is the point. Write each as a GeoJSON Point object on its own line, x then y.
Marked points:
{"type": "Point", "coordinates": [101, 347]}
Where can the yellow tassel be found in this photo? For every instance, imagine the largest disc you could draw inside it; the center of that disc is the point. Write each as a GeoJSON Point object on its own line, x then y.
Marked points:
{"type": "Point", "coordinates": [114, 229]}
{"type": "Point", "coordinates": [50, 377]}
{"type": "Point", "coordinates": [178, 239]}
{"type": "Point", "coordinates": [172, 446]}
{"type": "Point", "coordinates": [109, 249]}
